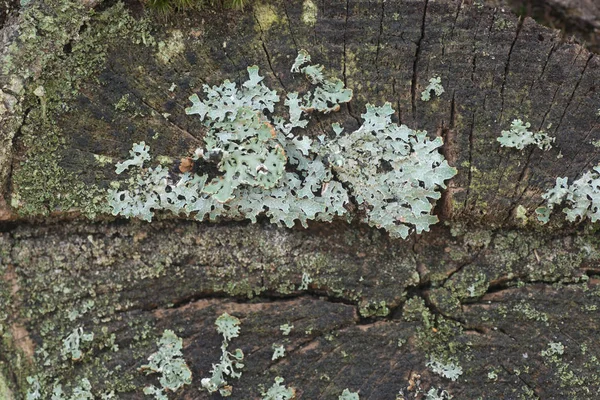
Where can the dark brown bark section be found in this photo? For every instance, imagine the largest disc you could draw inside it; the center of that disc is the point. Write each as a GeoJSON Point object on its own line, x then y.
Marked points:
{"type": "Point", "coordinates": [182, 276]}
{"type": "Point", "coordinates": [579, 18]}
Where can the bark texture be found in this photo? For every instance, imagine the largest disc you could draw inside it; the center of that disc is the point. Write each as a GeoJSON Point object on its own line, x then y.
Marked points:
{"type": "Point", "coordinates": [512, 303]}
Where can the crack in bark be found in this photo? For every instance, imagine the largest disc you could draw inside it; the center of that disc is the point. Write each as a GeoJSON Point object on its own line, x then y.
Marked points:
{"type": "Point", "coordinates": [451, 34]}
{"type": "Point", "coordinates": [289, 23]}
{"type": "Point", "coordinates": [470, 175]}
{"type": "Point", "coordinates": [532, 388]}
{"type": "Point", "coordinates": [151, 107]}
{"type": "Point", "coordinates": [379, 37]}
{"type": "Point", "coordinates": [344, 62]}
{"type": "Point", "coordinates": [268, 57]}
{"type": "Point", "coordinates": [507, 67]}
{"type": "Point", "coordinates": [573, 93]}
{"type": "Point", "coordinates": [543, 71]}
{"type": "Point", "coordinates": [413, 85]}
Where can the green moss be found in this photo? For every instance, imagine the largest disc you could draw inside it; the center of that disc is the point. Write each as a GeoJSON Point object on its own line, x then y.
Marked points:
{"type": "Point", "coordinates": [171, 47]}
{"type": "Point", "coordinates": [309, 12]}
{"type": "Point", "coordinates": [435, 335]}
{"type": "Point", "coordinates": [42, 185]}
{"type": "Point", "coordinates": [5, 392]}
{"type": "Point", "coordinates": [265, 15]}
{"type": "Point", "coordinates": [165, 8]}
{"type": "Point", "coordinates": [373, 309]}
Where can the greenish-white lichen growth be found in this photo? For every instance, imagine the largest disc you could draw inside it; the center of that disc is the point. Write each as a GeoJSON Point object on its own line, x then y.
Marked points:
{"type": "Point", "coordinates": [169, 363]}
{"type": "Point", "coordinates": [435, 86]}
{"type": "Point", "coordinates": [554, 348]}
{"type": "Point", "coordinates": [393, 171]}
{"type": "Point", "coordinates": [81, 392]}
{"type": "Point", "coordinates": [35, 388]}
{"type": "Point", "coordinates": [229, 327]}
{"type": "Point", "coordinates": [278, 352]}
{"type": "Point", "coordinates": [278, 391]}
{"type": "Point", "coordinates": [449, 370]}
{"type": "Point", "coordinates": [437, 394]}
{"type": "Point", "coordinates": [519, 136]}
{"type": "Point", "coordinates": [265, 167]}
{"type": "Point", "coordinates": [582, 197]}
{"type": "Point", "coordinates": [348, 395]}
{"type": "Point", "coordinates": [71, 344]}
{"type": "Point", "coordinates": [309, 12]}
{"type": "Point", "coordinates": [306, 280]}
{"type": "Point", "coordinates": [286, 329]}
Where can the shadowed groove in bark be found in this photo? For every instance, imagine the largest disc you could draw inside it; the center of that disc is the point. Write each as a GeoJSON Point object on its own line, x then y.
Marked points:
{"type": "Point", "coordinates": [507, 66]}
{"type": "Point", "coordinates": [415, 76]}
{"type": "Point", "coordinates": [379, 36]}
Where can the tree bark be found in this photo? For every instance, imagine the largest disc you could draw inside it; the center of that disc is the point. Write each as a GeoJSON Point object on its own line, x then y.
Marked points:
{"type": "Point", "coordinates": [511, 302]}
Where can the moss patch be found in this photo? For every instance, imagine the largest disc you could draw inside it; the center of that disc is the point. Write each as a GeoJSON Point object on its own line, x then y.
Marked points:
{"type": "Point", "coordinates": [41, 184]}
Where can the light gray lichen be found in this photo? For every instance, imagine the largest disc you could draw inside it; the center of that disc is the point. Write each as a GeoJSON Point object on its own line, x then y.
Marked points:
{"type": "Point", "coordinates": [582, 197]}
{"type": "Point", "coordinates": [435, 86]}
{"type": "Point", "coordinates": [348, 395]}
{"type": "Point", "coordinates": [278, 352]}
{"type": "Point", "coordinates": [449, 370]}
{"type": "Point", "coordinates": [229, 327]}
{"type": "Point", "coordinates": [169, 363]}
{"type": "Point", "coordinates": [278, 391]}
{"type": "Point", "coordinates": [519, 137]}
{"type": "Point", "coordinates": [266, 168]}
{"type": "Point", "coordinates": [71, 344]}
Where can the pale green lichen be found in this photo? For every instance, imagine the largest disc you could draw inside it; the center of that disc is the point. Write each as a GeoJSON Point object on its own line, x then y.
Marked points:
{"type": "Point", "coordinates": [348, 395]}
{"type": "Point", "coordinates": [519, 137]}
{"type": "Point", "coordinates": [278, 352]}
{"type": "Point", "coordinates": [449, 370]}
{"type": "Point", "coordinates": [393, 172]}
{"type": "Point", "coordinates": [554, 349]}
{"type": "Point", "coordinates": [437, 394]}
{"type": "Point", "coordinates": [286, 329]}
{"type": "Point", "coordinates": [309, 12]}
{"type": "Point", "coordinates": [278, 391]}
{"type": "Point", "coordinates": [71, 344]}
{"type": "Point", "coordinates": [139, 154]}
{"type": "Point", "coordinates": [435, 86]}
{"type": "Point", "coordinates": [582, 197]}
{"type": "Point", "coordinates": [81, 392]}
{"type": "Point", "coordinates": [169, 363]}
{"type": "Point", "coordinates": [228, 326]}
{"type": "Point", "coordinates": [35, 388]}
{"type": "Point", "coordinates": [171, 48]}
{"type": "Point", "coordinates": [306, 280]}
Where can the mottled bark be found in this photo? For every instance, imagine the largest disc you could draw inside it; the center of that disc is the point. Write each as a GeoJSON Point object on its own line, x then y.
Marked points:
{"type": "Point", "coordinates": [490, 291]}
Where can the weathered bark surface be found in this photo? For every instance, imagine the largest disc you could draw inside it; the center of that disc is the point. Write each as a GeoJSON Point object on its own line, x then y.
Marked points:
{"type": "Point", "coordinates": [580, 18]}
{"type": "Point", "coordinates": [485, 289]}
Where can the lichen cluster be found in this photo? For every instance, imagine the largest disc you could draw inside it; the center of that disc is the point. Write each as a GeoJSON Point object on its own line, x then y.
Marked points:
{"type": "Point", "coordinates": [264, 166]}
{"type": "Point", "coordinates": [582, 197]}
{"type": "Point", "coordinates": [519, 136]}
{"type": "Point", "coordinates": [169, 363]}
{"type": "Point", "coordinates": [229, 327]}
